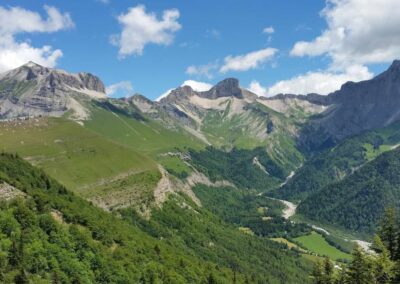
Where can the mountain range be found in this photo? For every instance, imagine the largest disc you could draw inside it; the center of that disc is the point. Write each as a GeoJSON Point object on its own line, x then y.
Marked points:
{"type": "Point", "coordinates": [163, 169]}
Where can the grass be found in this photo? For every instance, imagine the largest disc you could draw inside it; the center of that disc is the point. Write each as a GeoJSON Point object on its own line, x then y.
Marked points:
{"type": "Point", "coordinates": [147, 137]}
{"type": "Point", "coordinates": [174, 165]}
{"type": "Point", "coordinates": [371, 153]}
{"type": "Point", "coordinates": [70, 153]}
{"type": "Point", "coordinates": [316, 243]}
{"type": "Point", "coordinates": [289, 244]}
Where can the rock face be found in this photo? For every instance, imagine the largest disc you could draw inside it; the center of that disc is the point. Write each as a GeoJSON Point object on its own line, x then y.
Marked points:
{"type": "Point", "coordinates": [226, 88]}
{"type": "Point", "coordinates": [33, 90]}
{"type": "Point", "coordinates": [356, 107]}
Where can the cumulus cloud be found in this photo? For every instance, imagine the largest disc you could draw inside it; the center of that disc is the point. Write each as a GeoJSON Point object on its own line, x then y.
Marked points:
{"type": "Point", "coordinates": [140, 28]}
{"type": "Point", "coordinates": [256, 88]}
{"type": "Point", "coordinates": [247, 61]}
{"type": "Point", "coordinates": [323, 82]}
{"type": "Point", "coordinates": [16, 20]}
{"type": "Point", "coordinates": [195, 85]}
{"type": "Point", "coordinates": [268, 30]}
{"type": "Point", "coordinates": [358, 32]}
{"type": "Point", "coordinates": [123, 88]}
{"type": "Point", "coordinates": [202, 70]}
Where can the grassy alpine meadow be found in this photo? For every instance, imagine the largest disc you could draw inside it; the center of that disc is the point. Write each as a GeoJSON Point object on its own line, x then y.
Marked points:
{"type": "Point", "coordinates": [143, 136]}
{"type": "Point", "coordinates": [316, 243]}
{"type": "Point", "coordinates": [74, 155]}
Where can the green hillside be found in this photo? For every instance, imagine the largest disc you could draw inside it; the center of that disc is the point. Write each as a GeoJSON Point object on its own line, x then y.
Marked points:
{"type": "Point", "coordinates": [77, 157]}
{"type": "Point", "coordinates": [130, 128]}
{"type": "Point", "coordinates": [358, 201]}
{"type": "Point", "coordinates": [251, 169]}
{"type": "Point", "coordinates": [258, 126]}
{"type": "Point", "coordinates": [336, 163]}
{"type": "Point", "coordinates": [50, 234]}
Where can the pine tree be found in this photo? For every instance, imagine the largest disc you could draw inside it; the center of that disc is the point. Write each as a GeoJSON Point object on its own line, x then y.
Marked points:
{"type": "Point", "coordinates": [323, 272]}
{"type": "Point", "coordinates": [328, 271]}
{"type": "Point", "coordinates": [317, 273]}
{"type": "Point", "coordinates": [383, 266]}
{"type": "Point", "coordinates": [359, 270]}
{"type": "Point", "coordinates": [388, 232]}
{"type": "Point", "coordinates": [341, 275]}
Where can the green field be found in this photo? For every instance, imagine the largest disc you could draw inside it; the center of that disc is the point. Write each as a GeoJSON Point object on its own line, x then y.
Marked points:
{"type": "Point", "coordinates": [316, 243]}
{"type": "Point", "coordinates": [144, 136]}
{"type": "Point", "coordinates": [72, 154]}
{"type": "Point", "coordinates": [371, 153]}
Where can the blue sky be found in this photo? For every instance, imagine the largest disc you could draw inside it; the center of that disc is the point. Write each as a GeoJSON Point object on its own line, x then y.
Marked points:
{"type": "Point", "coordinates": [204, 41]}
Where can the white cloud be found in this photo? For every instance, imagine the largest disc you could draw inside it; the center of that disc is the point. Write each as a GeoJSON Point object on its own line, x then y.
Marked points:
{"type": "Point", "coordinates": [140, 28]}
{"type": "Point", "coordinates": [202, 70]}
{"type": "Point", "coordinates": [359, 32]}
{"type": "Point", "coordinates": [195, 85]}
{"type": "Point", "coordinates": [322, 83]}
{"type": "Point", "coordinates": [257, 89]}
{"type": "Point", "coordinates": [16, 20]}
{"type": "Point", "coordinates": [268, 30]}
{"type": "Point", "coordinates": [247, 61]}
{"type": "Point", "coordinates": [123, 88]}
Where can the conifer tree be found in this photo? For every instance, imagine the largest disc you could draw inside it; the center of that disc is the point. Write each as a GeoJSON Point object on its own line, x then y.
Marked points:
{"type": "Point", "coordinates": [388, 232]}
{"type": "Point", "coordinates": [383, 266]}
{"type": "Point", "coordinates": [317, 273]}
{"type": "Point", "coordinates": [359, 270]}
{"type": "Point", "coordinates": [323, 272]}
{"type": "Point", "coordinates": [328, 271]}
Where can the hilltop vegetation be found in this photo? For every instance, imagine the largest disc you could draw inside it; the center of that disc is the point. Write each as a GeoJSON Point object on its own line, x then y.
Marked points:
{"type": "Point", "coordinates": [70, 153]}
{"type": "Point", "coordinates": [129, 127]}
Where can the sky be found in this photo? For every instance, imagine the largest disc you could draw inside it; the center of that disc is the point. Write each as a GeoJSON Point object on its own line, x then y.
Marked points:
{"type": "Point", "coordinates": [150, 47]}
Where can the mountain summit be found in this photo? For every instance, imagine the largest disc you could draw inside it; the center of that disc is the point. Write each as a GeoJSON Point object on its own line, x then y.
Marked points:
{"type": "Point", "coordinates": [226, 88]}
{"type": "Point", "coordinates": [32, 90]}
{"type": "Point", "coordinates": [356, 107]}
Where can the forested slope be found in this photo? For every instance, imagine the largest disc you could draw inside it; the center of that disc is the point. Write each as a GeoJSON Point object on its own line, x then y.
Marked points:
{"type": "Point", "coordinates": [48, 234]}
{"type": "Point", "coordinates": [336, 163]}
{"type": "Point", "coordinates": [358, 201]}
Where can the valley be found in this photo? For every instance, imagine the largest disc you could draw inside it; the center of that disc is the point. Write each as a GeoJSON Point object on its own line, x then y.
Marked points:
{"type": "Point", "coordinates": [219, 177]}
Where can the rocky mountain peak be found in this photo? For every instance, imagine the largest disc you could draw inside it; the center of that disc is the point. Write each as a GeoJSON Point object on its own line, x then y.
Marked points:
{"type": "Point", "coordinates": [178, 94]}
{"type": "Point", "coordinates": [226, 88]}
{"type": "Point", "coordinates": [91, 82]}
{"type": "Point", "coordinates": [228, 84]}
{"type": "Point", "coordinates": [395, 67]}
{"type": "Point", "coordinates": [32, 90]}
{"type": "Point", "coordinates": [392, 74]}
{"type": "Point", "coordinates": [359, 106]}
